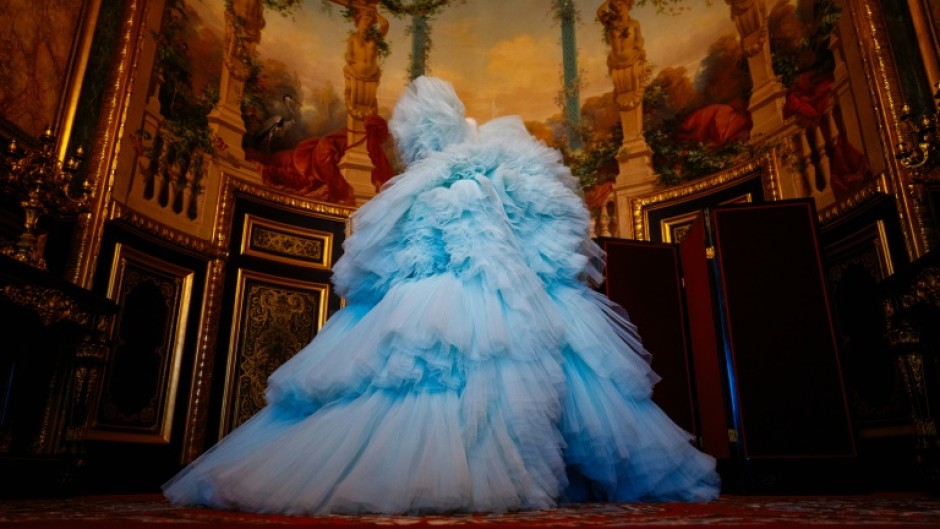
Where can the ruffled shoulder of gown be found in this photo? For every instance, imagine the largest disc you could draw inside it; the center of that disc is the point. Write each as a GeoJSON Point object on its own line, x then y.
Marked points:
{"type": "Point", "coordinates": [427, 118]}
{"type": "Point", "coordinates": [528, 181]}
{"type": "Point", "coordinates": [543, 202]}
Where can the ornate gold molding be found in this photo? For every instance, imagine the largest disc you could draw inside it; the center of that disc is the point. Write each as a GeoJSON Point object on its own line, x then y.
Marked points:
{"type": "Point", "coordinates": [885, 88]}
{"type": "Point", "coordinates": [152, 422]}
{"type": "Point", "coordinates": [878, 186]}
{"type": "Point", "coordinates": [163, 232]}
{"type": "Point", "coordinates": [232, 186]}
{"type": "Point", "coordinates": [287, 244]}
{"type": "Point", "coordinates": [200, 386]}
{"type": "Point", "coordinates": [103, 153]}
{"type": "Point", "coordinates": [49, 304]}
{"type": "Point", "coordinates": [765, 165]}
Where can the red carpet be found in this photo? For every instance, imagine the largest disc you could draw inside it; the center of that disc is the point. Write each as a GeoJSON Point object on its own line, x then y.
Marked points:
{"type": "Point", "coordinates": [895, 510]}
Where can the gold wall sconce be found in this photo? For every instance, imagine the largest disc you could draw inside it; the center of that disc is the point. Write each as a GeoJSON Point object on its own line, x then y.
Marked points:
{"type": "Point", "coordinates": [43, 184]}
{"type": "Point", "coordinates": [918, 139]}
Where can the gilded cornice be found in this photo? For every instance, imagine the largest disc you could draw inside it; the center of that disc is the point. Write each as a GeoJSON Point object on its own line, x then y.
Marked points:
{"type": "Point", "coordinates": [764, 164]}
{"type": "Point", "coordinates": [233, 186]}
{"type": "Point", "coordinates": [321, 209]}
{"type": "Point", "coordinates": [163, 232]}
{"type": "Point", "coordinates": [49, 304]}
{"type": "Point", "coordinates": [841, 209]}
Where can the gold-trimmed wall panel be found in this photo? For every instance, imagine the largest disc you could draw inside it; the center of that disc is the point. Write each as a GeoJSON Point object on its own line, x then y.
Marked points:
{"type": "Point", "coordinates": [139, 387]}
{"type": "Point", "coordinates": [275, 241]}
{"type": "Point", "coordinates": [274, 318]}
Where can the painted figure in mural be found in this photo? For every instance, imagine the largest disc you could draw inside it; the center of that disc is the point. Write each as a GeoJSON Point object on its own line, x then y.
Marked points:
{"type": "Point", "coordinates": [472, 368]}
{"type": "Point", "coordinates": [627, 58]}
{"type": "Point", "coordinates": [311, 168]}
{"type": "Point", "coordinates": [362, 70]}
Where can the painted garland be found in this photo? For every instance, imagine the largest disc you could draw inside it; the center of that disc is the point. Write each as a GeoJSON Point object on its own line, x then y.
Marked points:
{"type": "Point", "coordinates": [420, 11]}
{"type": "Point", "coordinates": [425, 8]}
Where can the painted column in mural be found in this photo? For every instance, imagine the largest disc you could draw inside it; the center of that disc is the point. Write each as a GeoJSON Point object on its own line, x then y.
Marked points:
{"type": "Point", "coordinates": [362, 75]}
{"type": "Point", "coordinates": [244, 20]}
{"type": "Point", "coordinates": [627, 65]}
{"type": "Point", "coordinates": [566, 14]}
{"type": "Point", "coordinates": [768, 95]}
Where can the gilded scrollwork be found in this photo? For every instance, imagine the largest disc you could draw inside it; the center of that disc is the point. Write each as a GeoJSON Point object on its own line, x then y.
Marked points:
{"type": "Point", "coordinates": [284, 243]}
{"type": "Point", "coordinates": [274, 318]}
{"type": "Point", "coordinates": [925, 290]}
{"type": "Point", "coordinates": [280, 242]}
{"type": "Point", "coordinates": [49, 304]}
{"type": "Point", "coordinates": [278, 323]}
{"type": "Point", "coordinates": [911, 318]}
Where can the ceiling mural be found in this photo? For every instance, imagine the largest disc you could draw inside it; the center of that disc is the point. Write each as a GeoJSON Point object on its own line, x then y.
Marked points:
{"type": "Point", "coordinates": [502, 57]}
{"type": "Point", "coordinates": [691, 91]}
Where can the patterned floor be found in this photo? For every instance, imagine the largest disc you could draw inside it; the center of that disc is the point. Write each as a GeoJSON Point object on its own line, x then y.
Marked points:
{"type": "Point", "coordinates": [868, 511]}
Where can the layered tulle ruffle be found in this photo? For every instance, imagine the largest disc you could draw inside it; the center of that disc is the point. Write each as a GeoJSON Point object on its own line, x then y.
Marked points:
{"type": "Point", "coordinates": [471, 368]}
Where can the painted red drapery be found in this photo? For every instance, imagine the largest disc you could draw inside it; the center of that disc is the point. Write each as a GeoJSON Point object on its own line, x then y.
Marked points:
{"type": "Point", "coordinates": [376, 135]}
{"type": "Point", "coordinates": [849, 168]}
{"type": "Point", "coordinates": [809, 98]}
{"type": "Point", "coordinates": [312, 167]}
{"type": "Point", "coordinates": [717, 124]}
{"type": "Point", "coordinates": [596, 196]}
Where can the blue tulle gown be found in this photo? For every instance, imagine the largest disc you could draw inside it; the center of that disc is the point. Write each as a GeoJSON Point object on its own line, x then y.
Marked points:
{"type": "Point", "coordinates": [471, 369]}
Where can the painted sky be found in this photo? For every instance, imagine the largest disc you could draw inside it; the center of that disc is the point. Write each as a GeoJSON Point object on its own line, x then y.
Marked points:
{"type": "Point", "coordinates": [503, 56]}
